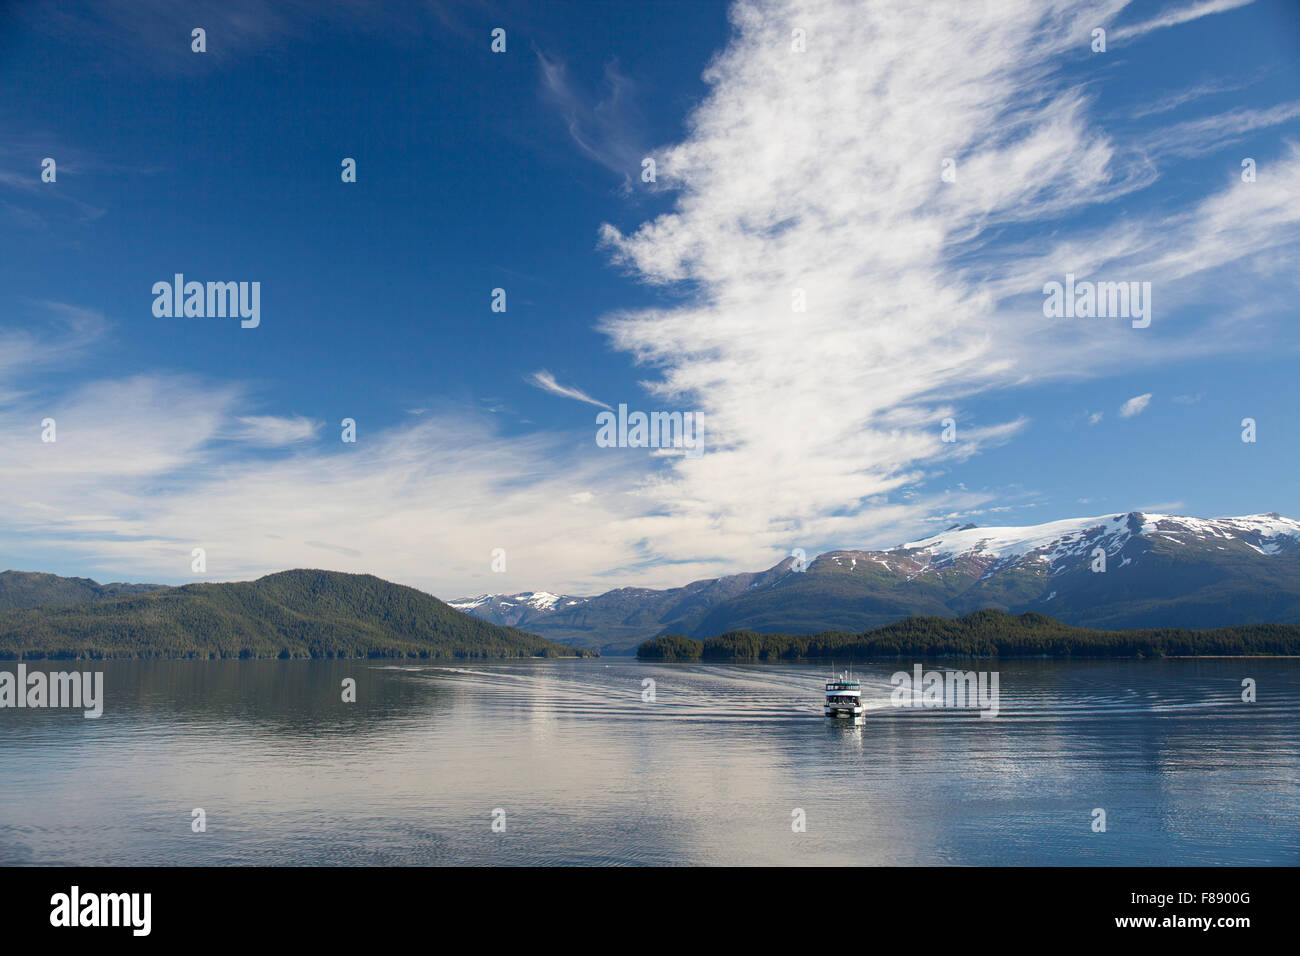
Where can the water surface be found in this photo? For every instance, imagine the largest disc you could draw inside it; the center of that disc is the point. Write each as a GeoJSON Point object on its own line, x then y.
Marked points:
{"type": "Point", "coordinates": [710, 772]}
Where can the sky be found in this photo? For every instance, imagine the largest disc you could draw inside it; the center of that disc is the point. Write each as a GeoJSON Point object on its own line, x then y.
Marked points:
{"type": "Point", "coordinates": [913, 176]}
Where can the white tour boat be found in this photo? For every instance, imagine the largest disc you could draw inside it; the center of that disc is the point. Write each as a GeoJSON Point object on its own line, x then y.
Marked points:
{"type": "Point", "coordinates": [844, 697]}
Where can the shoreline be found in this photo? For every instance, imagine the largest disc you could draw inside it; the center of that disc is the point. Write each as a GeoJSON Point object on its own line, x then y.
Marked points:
{"type": "Point", "coordinates": [975, 657]}
{"type": "Point", "coordinates": [638, 660]}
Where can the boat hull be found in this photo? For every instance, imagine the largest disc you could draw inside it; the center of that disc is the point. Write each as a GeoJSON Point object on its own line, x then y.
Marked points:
{"type": "Point", "coordinates": [844, 712]}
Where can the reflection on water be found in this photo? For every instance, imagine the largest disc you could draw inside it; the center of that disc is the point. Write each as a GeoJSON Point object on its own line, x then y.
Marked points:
{"type": "Point", "coordinates": [710, 771]}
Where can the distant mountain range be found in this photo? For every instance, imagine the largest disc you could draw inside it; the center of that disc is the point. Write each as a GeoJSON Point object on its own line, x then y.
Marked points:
{"type": "Point", "coordinates": [1161, 571]}
{"type": "Point", "coordinates": [292, 614]}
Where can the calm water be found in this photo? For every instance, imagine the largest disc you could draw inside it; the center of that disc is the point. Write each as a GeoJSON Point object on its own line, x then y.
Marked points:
{"type": "Point", "coordinates": [709, 773]}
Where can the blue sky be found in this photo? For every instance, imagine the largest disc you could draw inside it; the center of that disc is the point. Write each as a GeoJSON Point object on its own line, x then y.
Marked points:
{"type": "Point", "coordinates": [776, 170]}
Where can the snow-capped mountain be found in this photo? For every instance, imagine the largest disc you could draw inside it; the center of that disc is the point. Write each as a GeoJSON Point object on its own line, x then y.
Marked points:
{"type": "Point", "coordinates": [1114, 571]}
{"type": "Point", "coordinates": [1059, 541]}
{"type": "Point", "coordinates": [514, 609]}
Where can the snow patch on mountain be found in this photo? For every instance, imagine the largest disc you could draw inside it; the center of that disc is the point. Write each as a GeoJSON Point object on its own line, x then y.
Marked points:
{"type": "Point", "coordinates": [537, 600]}
{"type": "Point", "coordinates": [1073, 536]}
{"type": "Point", "coordinates": [1050, 539]}
{"type": "Point", "coordinates": [1266, 526]}
{"type": "Point", "coordinates": [541, 600]}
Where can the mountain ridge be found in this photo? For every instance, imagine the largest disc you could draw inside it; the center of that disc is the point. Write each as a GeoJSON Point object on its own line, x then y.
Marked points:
{"type": "Point", "coordinates": [1159, 571]}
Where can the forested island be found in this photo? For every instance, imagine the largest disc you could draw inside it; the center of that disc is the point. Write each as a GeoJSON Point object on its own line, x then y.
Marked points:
{"type": "Point", "coordinates": [292, 614]}
{"type": "Point", "coordinates": [985, 633]}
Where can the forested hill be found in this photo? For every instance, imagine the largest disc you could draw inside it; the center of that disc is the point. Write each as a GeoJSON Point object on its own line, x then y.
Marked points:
{"type": "Point", "coordinates": [980, 634]}
{"type": "Point", "coordinates": [20, 589]}
{"type": "Point", "coordinates": [292, 614]}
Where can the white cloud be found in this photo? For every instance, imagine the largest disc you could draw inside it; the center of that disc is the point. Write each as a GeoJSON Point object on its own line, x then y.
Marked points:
{"type": "Point", "coordinates": [276, 430]}
{"type": "Point", "coordinates": [1188, 95]}
{"type": "Point", "coordinates": [547, 383]}
{"type": "Point", "coordinates": [139, 476]}
{"type": "Point", "coordinates": [820, 172]}
{"type": "Point", "coordinates": [1135, 405]}
{"type": "Point", "coordinates": [1164, 507]}
{"type": "Point", "coordinates": [1210, 133]}
{"type": "Point", "coordinates": [57, 334]}
{"type": "Point", "coordinates": [1176, 16]}
{"type": "Point", "coordinates": [604, 127]}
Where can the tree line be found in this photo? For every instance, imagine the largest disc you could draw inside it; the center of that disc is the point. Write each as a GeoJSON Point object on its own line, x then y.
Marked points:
{"type": "Point", "coordinates": [985, 633]}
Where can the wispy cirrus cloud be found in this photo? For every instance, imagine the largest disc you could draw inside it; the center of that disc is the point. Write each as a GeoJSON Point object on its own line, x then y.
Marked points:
{"type": "Point", "coordinates": [1175, 16]}
{"type": "Point", "coordinates": [547, 383]}
{"type": "Point", "coordinates": [1209, 133]}
{"type": "Point", "coordinates": [276, 430]}
{"type": "Point", "coordinates": [156, 34]}
{"type": "Point", "coordinates": [35, 202]}
{"type": "Point", "coordinates": [1183, 97]}
{"type": "Point", "coordinates": [56, 333]}
{"type": "Point", "coordinates": [604, 125]}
